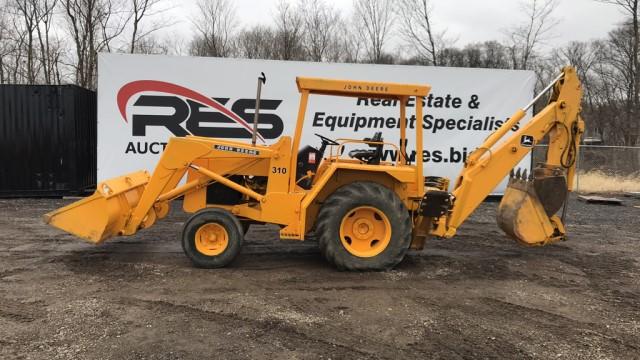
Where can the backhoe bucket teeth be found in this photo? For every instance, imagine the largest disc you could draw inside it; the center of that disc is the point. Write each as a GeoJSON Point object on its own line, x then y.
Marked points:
{"type": "Point", "coordinates": [103, 214]}
{"type": "Point", "coordinates": [528, 206]}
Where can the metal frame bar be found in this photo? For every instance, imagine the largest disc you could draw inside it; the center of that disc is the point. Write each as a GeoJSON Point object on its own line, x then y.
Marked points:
{"type": "Point", "coordinates": [226, 182]}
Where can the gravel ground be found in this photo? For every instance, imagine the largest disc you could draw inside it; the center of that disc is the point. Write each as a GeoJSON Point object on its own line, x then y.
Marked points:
{"type": "Point", "coordinates": [478, 295]}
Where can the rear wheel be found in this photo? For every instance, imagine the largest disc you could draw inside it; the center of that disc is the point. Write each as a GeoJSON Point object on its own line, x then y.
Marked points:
{"type": "Point", "coordinates": [364, 226]}
{"type": "Point", "coordinates": [212, 238]}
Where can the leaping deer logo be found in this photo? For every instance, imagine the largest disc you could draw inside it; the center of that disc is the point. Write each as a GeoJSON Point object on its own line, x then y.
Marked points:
{"type": "Point", "coordinates": [526, 141]}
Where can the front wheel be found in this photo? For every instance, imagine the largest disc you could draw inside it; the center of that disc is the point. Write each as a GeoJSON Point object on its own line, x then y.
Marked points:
{"type": "Point", "coordinates": [364, 226]}
{"type": "Point", "coordinates": [212, 238]}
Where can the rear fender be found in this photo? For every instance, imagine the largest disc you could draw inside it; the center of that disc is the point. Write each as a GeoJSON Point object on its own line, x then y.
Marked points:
{"type": "Point", "coordinates": [336, 176]}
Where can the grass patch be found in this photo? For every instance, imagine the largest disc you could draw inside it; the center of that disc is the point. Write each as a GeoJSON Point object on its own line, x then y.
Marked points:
{"type": "Point", "coordinates": [600, 182]}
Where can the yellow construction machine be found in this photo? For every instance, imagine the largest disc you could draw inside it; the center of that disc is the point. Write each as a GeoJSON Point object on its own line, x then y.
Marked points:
{"type": "Point", "coordinates": [365, 212]}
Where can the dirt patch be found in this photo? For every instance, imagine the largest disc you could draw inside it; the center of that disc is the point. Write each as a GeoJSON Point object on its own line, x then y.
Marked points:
{"type": "Point", "coordinates": [476, 296]}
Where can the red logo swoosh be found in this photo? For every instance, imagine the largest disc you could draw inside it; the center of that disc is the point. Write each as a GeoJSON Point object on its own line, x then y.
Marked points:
{"type": "Point", "coordinates": [135, 87]}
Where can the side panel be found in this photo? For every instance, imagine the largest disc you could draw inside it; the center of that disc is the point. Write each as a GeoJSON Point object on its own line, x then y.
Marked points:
{"type": "Point", "coordinates": [274, 166]}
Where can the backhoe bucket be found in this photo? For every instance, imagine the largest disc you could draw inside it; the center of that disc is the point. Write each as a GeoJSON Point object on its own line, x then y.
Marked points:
{"type": "Point", "coordinates": [103, 214]}
{"type": "Point", "coordinates": [528, 207]}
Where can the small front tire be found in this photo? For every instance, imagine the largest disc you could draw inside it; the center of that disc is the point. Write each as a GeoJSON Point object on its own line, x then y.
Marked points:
{"type": "Point", "coordinates": [212, 238]}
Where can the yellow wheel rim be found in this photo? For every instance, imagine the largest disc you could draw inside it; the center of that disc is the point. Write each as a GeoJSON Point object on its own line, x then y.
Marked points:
{"type": "Point", "coordinates": [211, 239]}
{"type": "Point", "coordinates": [365, 231]}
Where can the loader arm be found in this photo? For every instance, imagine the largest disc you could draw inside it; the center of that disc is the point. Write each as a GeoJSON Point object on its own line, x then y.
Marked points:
{"type": "Point", "coordinates": [497, 157]}
{"type": "Point", "coordinates": [178, 155]}
{"type": "Point", "coordinates": [126, 204]}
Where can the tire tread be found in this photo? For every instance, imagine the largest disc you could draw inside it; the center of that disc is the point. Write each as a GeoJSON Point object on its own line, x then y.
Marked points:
{"type": "Point", "coordinates": [329, 218]}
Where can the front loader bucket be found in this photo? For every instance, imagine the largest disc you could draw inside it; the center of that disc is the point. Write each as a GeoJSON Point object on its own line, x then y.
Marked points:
{"type": "Point", "coordinates": [528, 206]}
{"type": "Point", "coordinates": [103, 214]}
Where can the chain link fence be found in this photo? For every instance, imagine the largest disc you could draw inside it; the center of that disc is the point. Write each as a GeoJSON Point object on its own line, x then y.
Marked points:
{"type": "Point", "coordinates": [603, 168]}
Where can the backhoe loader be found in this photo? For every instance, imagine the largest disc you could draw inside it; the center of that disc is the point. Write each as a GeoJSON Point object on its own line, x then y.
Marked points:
{"type": "Point", "coordinates": [365, 212]}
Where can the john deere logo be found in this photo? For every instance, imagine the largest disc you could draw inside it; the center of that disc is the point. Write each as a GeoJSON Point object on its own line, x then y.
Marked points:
{"type": "Point", "coordinates": [526, 140]}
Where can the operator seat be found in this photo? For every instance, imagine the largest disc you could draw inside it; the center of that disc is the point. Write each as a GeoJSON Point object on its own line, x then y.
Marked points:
{"type": "Point", "coordinates": [370, 156]}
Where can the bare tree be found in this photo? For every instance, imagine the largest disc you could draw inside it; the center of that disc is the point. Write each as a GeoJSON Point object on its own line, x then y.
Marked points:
{"type": "Point", "coordinates": [488, 54]}
{"type": "Point", "coordinates": [144, 9]}
{"type": "Point", "coordinates": [49, 50]}
{"type": "Point", "coordinates": [451, 56]}
{"type": "Point", "coordinates": [153, 45]}
{"type": "Point", "coordinates": [289, 32]}
{"type": "Point", "coordinates": [585, 57]}
{"type": "Point", "coordinates": [27, 13]}
{"type": "Point", "coordinates": [621, 75]}
{"type": "Point", "coordinates": [582, 55]}
{"type": "Point", "coordinates": [214, 26]}
{"type": "Point", "coordinates": [611, 86]}
{"type": "Point", "coordinates": [374, 19]}
{"type": "Point", "coordinates": [525, 39]}
{"type": "Point", "coordinates": [92, 26]}
{"type": "Point", "coordinates": [349, 47]}
{"type": "Point", "coordinates": [16, 73]}
{"type": "Point", "coordinates": [417, 30]}
{"type": "Point", "coordinates": [605, 68]}
{"type": "Point", "coordinates": [495, 55]}
{"type": "Point", "coordinates": [257, 43]}
{"type": "Point", "coordinates": [631, 65]}
{"type": "Point", "coordinates": [6, 44]}
{"type": "Point", "coordinates": [321, 29]}
{"type": "Point", "coordinates": [34, 50]}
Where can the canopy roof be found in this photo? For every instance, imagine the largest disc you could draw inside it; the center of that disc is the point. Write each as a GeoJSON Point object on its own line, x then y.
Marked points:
{"type": "Point", "coordinates": [360, 88]}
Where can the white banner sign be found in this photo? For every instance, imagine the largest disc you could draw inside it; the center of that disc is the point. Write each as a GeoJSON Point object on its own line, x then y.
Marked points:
{"type": "Point", "coordinates": [143, 100]}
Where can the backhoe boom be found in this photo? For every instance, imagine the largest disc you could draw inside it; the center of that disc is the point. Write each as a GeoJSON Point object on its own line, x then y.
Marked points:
{"type": "Point", "coordinates": [493, 160]}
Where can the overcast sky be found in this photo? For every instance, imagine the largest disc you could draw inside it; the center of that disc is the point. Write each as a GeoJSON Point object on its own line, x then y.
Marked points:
{"type": "Point", "coordinates": [468, 20]}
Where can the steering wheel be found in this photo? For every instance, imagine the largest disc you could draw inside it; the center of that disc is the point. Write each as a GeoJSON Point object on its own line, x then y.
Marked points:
{"type": "Point", "coordinates": [327, 140]}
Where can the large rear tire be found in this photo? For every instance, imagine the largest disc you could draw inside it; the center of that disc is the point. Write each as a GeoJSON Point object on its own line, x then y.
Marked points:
{"type": "Point", "coordinates": [364, 226]}
{"type": "Point", "coordinates": [212, 238]}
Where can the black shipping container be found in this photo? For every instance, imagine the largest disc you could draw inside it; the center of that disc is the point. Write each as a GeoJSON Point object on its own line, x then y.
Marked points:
{"type": "Point", "coordinates": [47, 140]}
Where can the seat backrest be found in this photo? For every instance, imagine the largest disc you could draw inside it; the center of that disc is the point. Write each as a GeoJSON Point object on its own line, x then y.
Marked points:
{"type": "Point", "coordinates": [375, 159]}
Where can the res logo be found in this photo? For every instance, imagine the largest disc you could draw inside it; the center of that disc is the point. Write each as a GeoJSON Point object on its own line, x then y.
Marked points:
{"type": "Point", "coordinates": [196, 114]}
